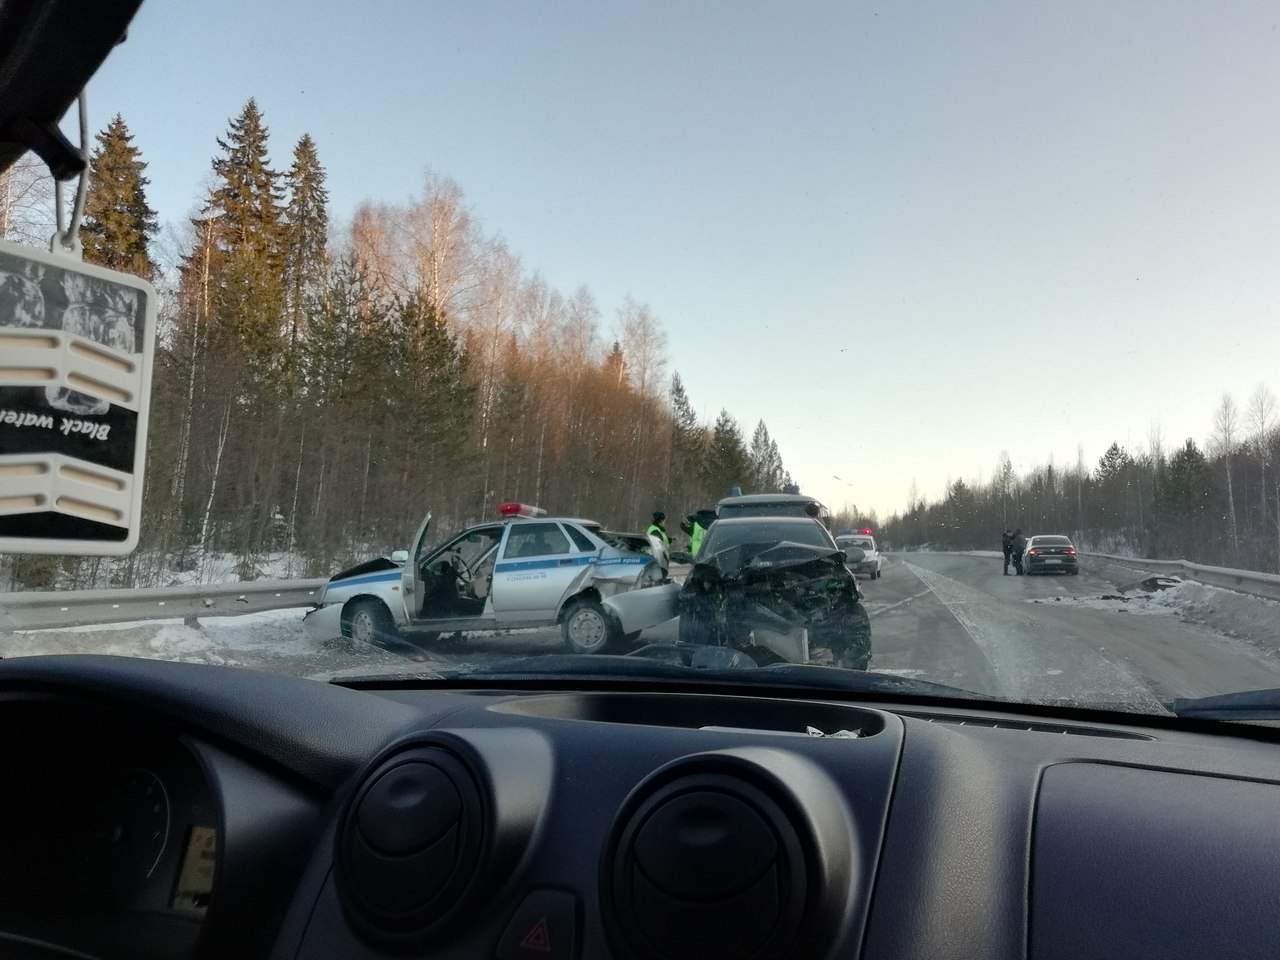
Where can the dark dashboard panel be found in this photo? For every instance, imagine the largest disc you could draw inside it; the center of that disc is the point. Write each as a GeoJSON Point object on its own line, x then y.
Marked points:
{"type": "Point", "coordinates": [673, 822]}
{"type": "Point", "coordinates": [102, 818]}
{"type": "Point", "coordinates": [1132, 862]}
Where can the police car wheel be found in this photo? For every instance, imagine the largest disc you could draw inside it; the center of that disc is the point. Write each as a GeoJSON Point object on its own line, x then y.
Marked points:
{"type": "Point", "coordinates": [369, 622]}
{"type": "Point", "coordinates": [587, 628]}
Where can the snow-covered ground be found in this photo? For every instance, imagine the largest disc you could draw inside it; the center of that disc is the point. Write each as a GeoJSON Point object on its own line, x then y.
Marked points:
{"type": "Point", "coordinates": [1235, 615]}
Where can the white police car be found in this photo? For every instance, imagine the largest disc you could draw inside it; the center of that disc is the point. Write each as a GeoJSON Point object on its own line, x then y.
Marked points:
{"type": "Point", "coordinates": [869, 562]}
{"type": "Point", "coordinates": [523, 570]}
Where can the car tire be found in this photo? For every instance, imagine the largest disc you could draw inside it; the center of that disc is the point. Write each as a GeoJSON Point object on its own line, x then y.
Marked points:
{"type": "Point", "coordinates": [1075, 572]}
{"type": "Point", "coordinates": [588, 629]}
{"type": "Point", "coordinates": [369, 621]}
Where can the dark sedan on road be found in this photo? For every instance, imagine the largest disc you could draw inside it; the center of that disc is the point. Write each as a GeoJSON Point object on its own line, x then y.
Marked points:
{"type": "Point", "coordinates": [1051, 554]}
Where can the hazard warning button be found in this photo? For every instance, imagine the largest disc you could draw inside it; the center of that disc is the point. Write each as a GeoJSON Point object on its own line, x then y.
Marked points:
{"type": "Point", "coordinates": [545, 927]}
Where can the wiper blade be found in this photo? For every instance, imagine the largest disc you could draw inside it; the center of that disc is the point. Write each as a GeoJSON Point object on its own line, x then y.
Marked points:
{"type": "Point", "coordinates": [1243, 705]}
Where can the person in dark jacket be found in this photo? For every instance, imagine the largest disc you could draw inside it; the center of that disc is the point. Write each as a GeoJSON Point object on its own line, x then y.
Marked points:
{"type": "Point", "coordinates": [1006, 545]}
{"type": "Point", "coordinates": [1019, 547]}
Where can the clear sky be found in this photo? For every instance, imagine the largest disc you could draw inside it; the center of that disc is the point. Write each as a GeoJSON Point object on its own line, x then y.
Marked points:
{"type": "Point", "coordinates": [907, 235]}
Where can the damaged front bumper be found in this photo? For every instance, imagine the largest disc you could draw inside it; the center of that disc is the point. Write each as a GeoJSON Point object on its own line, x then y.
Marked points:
{"type": "Point", "coordinates": [783, 600]}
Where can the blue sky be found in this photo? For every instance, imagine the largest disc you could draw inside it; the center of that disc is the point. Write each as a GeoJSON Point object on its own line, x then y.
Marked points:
{"type": "Point", "coordinates": [907, 235]}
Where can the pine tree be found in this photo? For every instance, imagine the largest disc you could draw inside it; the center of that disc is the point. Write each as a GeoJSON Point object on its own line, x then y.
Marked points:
{"type": "Point", "coordinates": [306, 232]}
{"type": "Point", "coordinates": [766, 462]}
{"type": "Point", "coordinates": [244, 214]}
{"type": "Point", "coordinates": [118, 223]}
{"type": "Point", "coordinates": [247, 200]}
{"type": "Point", "coordinates": [727, 463]}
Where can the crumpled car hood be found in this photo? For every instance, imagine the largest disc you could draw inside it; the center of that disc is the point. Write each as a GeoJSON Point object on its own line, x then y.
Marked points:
{"type": "Point", "coordinates": [752, 560]}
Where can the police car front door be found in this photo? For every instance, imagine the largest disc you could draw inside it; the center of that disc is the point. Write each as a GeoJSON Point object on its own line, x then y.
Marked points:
{"type": "Point", "coordinates": [535, 567]}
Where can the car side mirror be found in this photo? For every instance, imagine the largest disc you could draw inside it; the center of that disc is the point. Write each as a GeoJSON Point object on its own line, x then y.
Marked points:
{"type": "Point", "coordinates": [399, 556]}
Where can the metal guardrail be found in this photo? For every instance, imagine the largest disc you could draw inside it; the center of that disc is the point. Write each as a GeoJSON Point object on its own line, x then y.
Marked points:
{"type": "Point", "coordinates": [29, 611]}
{"type": "Point", "coordinates": [1245, 581]}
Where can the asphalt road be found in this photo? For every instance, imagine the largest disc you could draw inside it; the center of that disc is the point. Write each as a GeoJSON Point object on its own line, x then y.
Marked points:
{"type": "Point", "coordinates": [950, 618]}
{"type": "Point", "coordinates": [956, 619]}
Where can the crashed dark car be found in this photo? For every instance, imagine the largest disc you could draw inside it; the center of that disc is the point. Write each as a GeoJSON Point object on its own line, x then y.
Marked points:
{"type": "Point", "coordinates": [777, 588]}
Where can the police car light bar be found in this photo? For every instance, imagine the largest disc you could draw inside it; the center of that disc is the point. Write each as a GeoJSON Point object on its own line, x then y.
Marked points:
{"type": "Point", "coordinates": [520, 510]}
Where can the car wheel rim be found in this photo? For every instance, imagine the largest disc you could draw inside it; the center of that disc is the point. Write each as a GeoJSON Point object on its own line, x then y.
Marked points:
{"type": "Point", "coordinates": [362, 627]}
{"type": "Point", "coordinates": [587, 630]}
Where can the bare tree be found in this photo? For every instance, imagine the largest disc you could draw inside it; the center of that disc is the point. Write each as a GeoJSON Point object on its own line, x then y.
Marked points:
{"type": "Point", "coordinates": [1262, 414]}
{"type": "Point", "coordinates": [1226, 428]}
{"type": "Point", "coordinates": [27, 202]}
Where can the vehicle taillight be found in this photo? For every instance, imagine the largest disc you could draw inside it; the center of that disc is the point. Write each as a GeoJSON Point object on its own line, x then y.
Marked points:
{"type": "Point", "coordinates": [1034, 550]}
{"type": "Point", "coordinates": [1071, 550]}
{"type": "Point", "coordinates": [520, 510]}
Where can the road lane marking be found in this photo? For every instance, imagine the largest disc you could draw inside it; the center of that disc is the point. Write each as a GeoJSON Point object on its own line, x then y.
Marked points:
{"type": "Point", "coordinates": [893, 606]}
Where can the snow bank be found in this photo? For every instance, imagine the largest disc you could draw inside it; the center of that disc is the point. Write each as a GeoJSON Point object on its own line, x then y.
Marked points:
{"type": "Point", "coordinates": [252, 638]}
{"type": "Point", "coordinates": [1240, 616]}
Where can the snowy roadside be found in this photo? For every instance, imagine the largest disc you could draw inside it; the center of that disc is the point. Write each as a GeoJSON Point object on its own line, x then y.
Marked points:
{"type": "Point", "coordinates": [1237, 616]}
{"type": "Point", "coordinates": [274, 640]}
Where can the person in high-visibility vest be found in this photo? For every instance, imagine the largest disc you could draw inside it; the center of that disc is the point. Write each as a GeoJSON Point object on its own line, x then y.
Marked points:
{"type": "Point", "coordinates": [656, 529]}
{"type": "Point", "coordinates": [695, 525]}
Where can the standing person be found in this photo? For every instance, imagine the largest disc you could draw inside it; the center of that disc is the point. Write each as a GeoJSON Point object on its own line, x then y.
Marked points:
{"type": "Point", "coordinates": [1006, 544]}
{"type": "Point", "coordinates": [698, 525]}
{"type": "Point", "coordinates": [1019, 547]}
{"type": "Point", "coordinates": [657, 532]}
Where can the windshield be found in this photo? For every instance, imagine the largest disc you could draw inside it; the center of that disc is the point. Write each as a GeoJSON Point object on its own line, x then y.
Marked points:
{"type": "Point", "coordinates": [862, 543]}
{"type": "Point", "coordinates": [735, 533]}
{"type": "Point", "coordinates": [782, 508]}
{"type": "Point", "coordinates": [607, 266]}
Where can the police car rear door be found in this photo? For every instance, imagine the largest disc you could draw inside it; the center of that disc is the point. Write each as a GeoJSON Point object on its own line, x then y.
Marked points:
{"type": "Point", "coordinates": [536, 565]}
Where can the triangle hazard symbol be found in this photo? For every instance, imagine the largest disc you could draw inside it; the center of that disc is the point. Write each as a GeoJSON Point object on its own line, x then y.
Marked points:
{"type": "Point", "coordinates": [538, 938]}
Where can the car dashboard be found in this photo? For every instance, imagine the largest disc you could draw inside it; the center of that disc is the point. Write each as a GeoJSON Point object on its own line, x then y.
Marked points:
{"type": "Point", "coordinates": [166, 810]}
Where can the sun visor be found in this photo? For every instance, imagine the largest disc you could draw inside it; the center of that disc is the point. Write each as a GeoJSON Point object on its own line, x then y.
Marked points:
{"type": "Point", "coordinates": [77, 344]}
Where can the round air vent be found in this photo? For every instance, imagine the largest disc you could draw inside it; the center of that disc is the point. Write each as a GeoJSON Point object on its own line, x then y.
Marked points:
{"type": "Point", "coordinates": [707, 865]}
{"type": "Point", "coordinates": [410, 843]}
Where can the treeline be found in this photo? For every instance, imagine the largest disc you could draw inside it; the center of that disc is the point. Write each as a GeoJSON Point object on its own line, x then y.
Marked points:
{"type": "Point", "coordinates": [1218, 504]}
{"type": "Point", "coordinates": [317, 391]}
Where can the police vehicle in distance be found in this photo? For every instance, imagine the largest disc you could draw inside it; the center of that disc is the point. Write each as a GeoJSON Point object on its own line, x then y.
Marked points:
{"type": "Point", "coordinates": [523, 570]}
{"type": "Point", "coordinates": [861, 550]}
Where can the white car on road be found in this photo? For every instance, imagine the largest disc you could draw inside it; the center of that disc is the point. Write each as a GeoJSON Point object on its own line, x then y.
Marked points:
{"type": "Point", "coordinates": [524, 570]}
{"type": "Point", "coordinates": [870, 563]}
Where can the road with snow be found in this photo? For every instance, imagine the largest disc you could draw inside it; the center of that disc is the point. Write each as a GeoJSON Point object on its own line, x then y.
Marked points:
{"type": "Point", "coordinates": [957, 619]}
{"type": "Point", "coordinates": [951, 618]}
